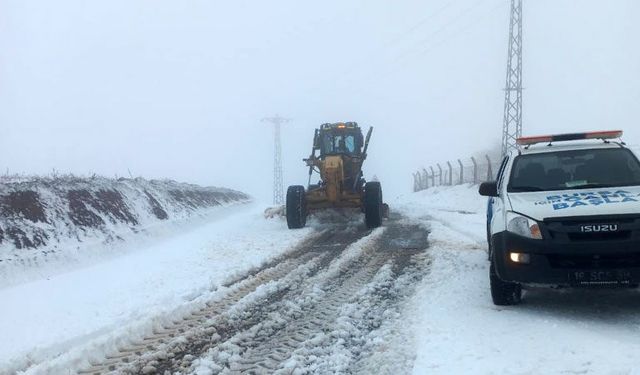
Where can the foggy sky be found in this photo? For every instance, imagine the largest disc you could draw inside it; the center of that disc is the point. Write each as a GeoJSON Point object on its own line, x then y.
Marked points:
{"type": "Point", "coordinates": [176, 89]}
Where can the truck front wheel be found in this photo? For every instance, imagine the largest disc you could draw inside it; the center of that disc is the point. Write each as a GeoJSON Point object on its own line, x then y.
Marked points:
{"type": "Point", "coordinates": [503, 293]}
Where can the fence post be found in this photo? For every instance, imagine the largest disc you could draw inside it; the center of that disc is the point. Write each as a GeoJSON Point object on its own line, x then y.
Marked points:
{"type": "Point", "coordinates": [461, 172]}
{"type": "Point", "coordinates": [489, 169]}
{"type": "Point", "coordinates": [450, 174]}
{"type": "Point", "coordinates": [439, 174]}
{"type": "Point", "coordinates": [475, 170]}
{"type": "Point", "coordinates": [433, 176]}
{"type": "Point", "coordinates": [415, 182]}
{"type": "Point", "coordinates": [425, 181]}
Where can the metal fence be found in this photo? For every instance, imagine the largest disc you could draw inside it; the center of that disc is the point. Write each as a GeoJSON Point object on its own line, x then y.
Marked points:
{"type": "Point", "coordinates": [473, 170]}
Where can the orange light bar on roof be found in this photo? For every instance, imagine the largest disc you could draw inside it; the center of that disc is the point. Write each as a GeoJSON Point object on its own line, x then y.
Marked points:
{"type": "Point", "coordinates": [525, 141]}
{"type": "Point", "coordinates": [609, 134]}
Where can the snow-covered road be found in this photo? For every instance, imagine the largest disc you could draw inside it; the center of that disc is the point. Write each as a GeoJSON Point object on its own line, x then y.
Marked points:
{"type": "Point", "coordinates": [240, 294]}
{"type": "Point", "coordinates": [329, 305]}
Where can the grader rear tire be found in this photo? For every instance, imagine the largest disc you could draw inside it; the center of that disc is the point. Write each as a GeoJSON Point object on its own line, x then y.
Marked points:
{"type": "Point", "coordinates": [296, 207]}
{"type": "Point", "coordinates": [373, 207]}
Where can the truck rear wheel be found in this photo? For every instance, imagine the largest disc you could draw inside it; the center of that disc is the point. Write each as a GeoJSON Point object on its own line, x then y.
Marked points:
{"type": "Point", "coordinates": [503, 293]}
{"type": "Point", "coordinates": [373, 208]}
{"type": "Point", "coordinates": [296, 207]}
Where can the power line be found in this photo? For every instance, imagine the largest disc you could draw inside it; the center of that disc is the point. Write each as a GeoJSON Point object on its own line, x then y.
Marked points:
{"type": "Point", "coordinates": [455, 19]}
{"type": "Point", "coordinates": [401, 60]}
{"type": "Point", "coordinates": [398, 37]}
{"type": "Point", "coordinates": [420, 23]}
{"type": "Point", "coordinates": [459, 31]}
{"type": "Point", "coordinates": [428, 43]}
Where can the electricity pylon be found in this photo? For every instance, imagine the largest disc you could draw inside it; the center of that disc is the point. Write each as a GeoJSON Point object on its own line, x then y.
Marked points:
{"type": "Point", "coordinates": [512, 122]}
{"type": "Point", "coordinates": [278, 183]}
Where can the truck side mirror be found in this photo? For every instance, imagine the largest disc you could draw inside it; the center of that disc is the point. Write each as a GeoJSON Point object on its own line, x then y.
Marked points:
{"type": "Point", "coordinates": [489, 189]}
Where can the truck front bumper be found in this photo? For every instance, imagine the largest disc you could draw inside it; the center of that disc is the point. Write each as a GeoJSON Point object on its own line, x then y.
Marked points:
{"type": "Point", "coordinates": [595, 263]}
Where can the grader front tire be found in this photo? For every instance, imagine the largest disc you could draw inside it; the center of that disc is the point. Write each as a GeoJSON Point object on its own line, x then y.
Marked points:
{"type": "Point", "coordinates": [373, 207]}
{"type": "Point", "coordinates": [296, 207]}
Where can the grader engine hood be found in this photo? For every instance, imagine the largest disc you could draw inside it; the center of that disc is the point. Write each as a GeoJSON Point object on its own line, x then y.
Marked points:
{"type": "Point", "coordinates": [333, 175]}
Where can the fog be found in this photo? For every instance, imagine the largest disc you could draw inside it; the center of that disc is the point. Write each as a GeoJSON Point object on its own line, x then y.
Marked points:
{"type": "Point", "coordinates": [177, 89]}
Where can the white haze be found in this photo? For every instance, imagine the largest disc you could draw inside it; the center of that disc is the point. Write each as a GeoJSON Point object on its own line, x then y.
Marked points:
{"type": "Point", "coordinates": [177, 89]}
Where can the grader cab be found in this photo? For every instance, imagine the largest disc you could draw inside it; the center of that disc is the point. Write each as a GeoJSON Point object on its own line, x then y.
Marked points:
{"type": "Point", "coordinates": [338, 152]}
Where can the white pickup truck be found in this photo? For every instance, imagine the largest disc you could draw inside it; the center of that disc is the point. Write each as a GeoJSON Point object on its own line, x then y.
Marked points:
{"type": "Point", "coordinates": [564, 210]}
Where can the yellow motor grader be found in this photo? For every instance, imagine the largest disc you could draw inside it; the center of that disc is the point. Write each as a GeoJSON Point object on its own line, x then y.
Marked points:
{"type": "Point", "coordinates": [342, 149]}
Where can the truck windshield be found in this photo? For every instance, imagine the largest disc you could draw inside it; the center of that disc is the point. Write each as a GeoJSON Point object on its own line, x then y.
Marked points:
{"type": "Point", "coordinates": [575, 169]}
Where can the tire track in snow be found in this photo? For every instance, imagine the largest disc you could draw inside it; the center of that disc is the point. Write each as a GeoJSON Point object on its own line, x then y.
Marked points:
{"type": "Point", "coordinates": [170, 342]}
{"type": "Point", "coordinates": [333, 313]}
{"type": "Point", "coordinates": [323, 300]}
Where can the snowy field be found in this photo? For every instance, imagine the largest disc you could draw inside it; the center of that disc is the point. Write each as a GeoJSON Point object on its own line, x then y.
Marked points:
{"type": "Point", "coordinates": [458, 330]}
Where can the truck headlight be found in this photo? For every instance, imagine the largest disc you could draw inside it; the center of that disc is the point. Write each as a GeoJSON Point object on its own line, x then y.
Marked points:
{"type": "Point", "coordinates": [523, 226]}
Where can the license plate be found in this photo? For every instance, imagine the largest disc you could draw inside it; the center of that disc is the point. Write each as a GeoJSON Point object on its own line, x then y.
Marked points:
{"type": "Point", "coordinates": [600, 277]}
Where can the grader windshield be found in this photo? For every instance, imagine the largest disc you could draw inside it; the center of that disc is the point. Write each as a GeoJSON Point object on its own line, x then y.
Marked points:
{"type": "Point", "coordinates": [340, 140]}
{"type": "Point", "coordinates": [339, 144]}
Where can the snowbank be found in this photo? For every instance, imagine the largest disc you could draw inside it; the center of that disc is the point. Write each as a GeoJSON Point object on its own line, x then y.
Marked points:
{"type": "Point", "coordinates": [65, 220]}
